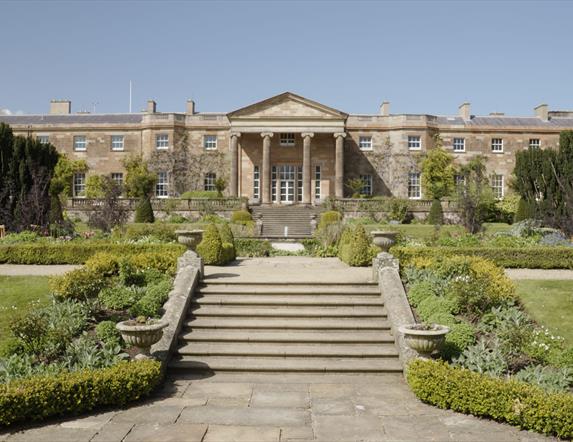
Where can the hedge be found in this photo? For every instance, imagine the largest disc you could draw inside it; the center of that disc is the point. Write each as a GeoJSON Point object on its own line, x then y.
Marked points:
{"type": "Point", "coordinates": [39, 397]}
{"type": "Point", "coordinates": [74, 252]}
{"type": "Point", "coordinates": [515, 257]}
{"type": "Point", "coordinates": [511, 401]}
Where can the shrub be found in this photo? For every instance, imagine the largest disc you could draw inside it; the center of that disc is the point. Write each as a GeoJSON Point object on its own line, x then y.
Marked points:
{"type": "Point", "coordinates": [420, 291]}
{"type": "Point", "coordinates": [39, 397]}
{"type": "Point", "coordinates": [210, 194]}
{"type": "Point", "coordinates": [211, 247]}
{"type": "Point", "coordinates": [436, 304]}
{"type": "Point", "coordinates": [329, 235]}
{"type": "Point", "coordinates": [165, 261]}
{"type": "Point", "coordinates": [484, 357]}
{"type": "Point", "coordinates": [548, 378]}
{"type": "Point", "coordinates": [152, 301]}
{"type": "Point", "coordinates": [355, 248]}
{"type": "Point", "coordinates": [436, 215]}
{"type": "Point", "coordinates": [398, 209]}
{"type": "Point", "coordinates": [252, 247]}
{"type": "Point", "coordinates": [107, 333]}
{"type": "Point", "coordinates": [517, 403]}
{"type": "Point", "coordinates": [144, 211]}
{"type": "Point", "coordinates": [329, 217]}
{"type": "Point", "coordinates": [120, 297]}
{"type": "Point", "coordinates": [524, 211]}
{"type": "Point", "coordinates": [228, 241]}
{"type": "Point", "coordinates": [136, 231]}
{"type": "Point", "coordinates": [460, 337]}
{"type": "Point", "coordinates": [105, 264]}
{"type": "Point", "coordinates": [80, 284]}
{"type": "Point", "coordinates": [241, 217]}
{"type": "Point", "coordinates": [213, 219]}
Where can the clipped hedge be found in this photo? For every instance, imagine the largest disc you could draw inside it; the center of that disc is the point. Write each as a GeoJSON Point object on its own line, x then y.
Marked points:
{"type": "Point", "coordinates": [39, 397]}
{"type": "Point", "coordinates": [516, 257]}
{"type": "Point", "coordinates": [514, 402]}
{"type": "Point", "coordinates": [75, 252]}
{"type": "Point", "coordinates": [252, 248]}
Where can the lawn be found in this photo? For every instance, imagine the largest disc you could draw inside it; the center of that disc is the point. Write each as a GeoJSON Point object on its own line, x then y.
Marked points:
{"type": "Point", "coordinates": [550, 303]}
{"type": "Point", "coordinates": [19, 293]}
{"type": "Point", "coordinates": [426, 231]}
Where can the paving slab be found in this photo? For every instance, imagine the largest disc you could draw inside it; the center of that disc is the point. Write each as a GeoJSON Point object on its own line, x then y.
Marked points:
{"type": "Point", "coordinates": [51, 433]}
{"type": "Point", "coordinates": [167, 433]}
{"type": "Point", "coordinates": [280, 399]}
{"type": "Point", "coordinates": [348, 428]}
{"type": "Point", "coordinates": [162, 414]}
{"type": "Point", "coordinates": [236, 433]}
{"type": "Point", "coordinates": [276, 417]}
{"type": "Point", "coordinates": [113, 432]}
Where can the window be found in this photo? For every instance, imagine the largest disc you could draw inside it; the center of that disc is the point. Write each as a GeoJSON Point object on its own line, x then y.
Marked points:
{"type": "Point", "coordinates": [459, 180]}
{"type": "Point", "coordinates": [118, 178]}
{"type": "Point", "coordinates": [534, 143]}
{"type": "Point", "coordinates": [365, 143]}
{"type": "Point", "coordinates": [162, 141]}
{"type": "Point", "coordinates": [414, 142]}
{"type": "Point", "coordinates": [80, 143]}
{"type": "Point", "coordinates": [210, 142]}
{"type": "Point", "coordinates": [209, 182]}
{"type": "Point", "coordinates": [497, 144]}
{"type": "Point", "coordinates": [287, 139]}
{"type": "Point", "coordinates": [117, 142]}
{"type": "Point", "coordinates": [256, 183]}
{"type": "Point", "coordinates": [274, 184]}
{"type": "Point", "coordinates": [317, 183]}
{"type": "Point", "coordinates": [44, 139]}
{"type": "Point", "coordinates": [497, 185]}
{"type": "Point", "coordinates": [162, 185]}
{"type": "Point", "coordinates": [459, 144]}
{"type": "Point", "coordinates": [367, 184]}
{"type": "Point", "coordinates": [299, 184]}
{"type": "Point", "coordinates": [414, 186]}
{"type": "Point", "coordinates": [79, 185]}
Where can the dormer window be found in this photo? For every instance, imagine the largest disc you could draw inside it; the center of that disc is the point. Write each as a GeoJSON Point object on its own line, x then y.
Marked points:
{"type": "Point", "coordinates": [287, 139]}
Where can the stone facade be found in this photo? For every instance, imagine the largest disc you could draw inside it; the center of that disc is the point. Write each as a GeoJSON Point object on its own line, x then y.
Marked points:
{"type": "Point", "coordinates": [287, 148]}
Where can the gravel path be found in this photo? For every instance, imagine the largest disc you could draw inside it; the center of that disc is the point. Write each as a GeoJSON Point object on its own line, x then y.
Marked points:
{"type": "Point", "coordinates": [539, 274]}
{"type": "Point", "coordinates": [34, 270]}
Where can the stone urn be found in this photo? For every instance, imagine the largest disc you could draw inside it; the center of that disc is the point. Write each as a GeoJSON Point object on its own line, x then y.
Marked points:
{"type": "Point", "coordinates": [189, 238]}
{"type": "Point", "coordinates": [383, 240]}
{"type": "Point", "coordinates": [423, 338]}
{"type": "Point", "coordinates": [142, 335]}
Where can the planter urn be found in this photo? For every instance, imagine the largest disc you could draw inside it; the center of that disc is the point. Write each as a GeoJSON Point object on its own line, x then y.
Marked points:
{"type": "Point", "coordinates": [383, 240]}
{"type": "Point", "coordinates": [142, 336]}
{"type": "Point", "coordinates": [189, 238]}
{"type": "Point", "coordinates": [424, 339]}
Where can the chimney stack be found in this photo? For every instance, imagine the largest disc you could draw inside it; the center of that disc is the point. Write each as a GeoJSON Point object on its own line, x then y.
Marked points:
{"type": "Point", "coordinates": [151, 106]}
{"type": "Point", "coordinates": [542, 111]}
{"type": "Point", "coordinates": [464, 111]}
{"type": "Point", "coordinates": [190, 107]}
{"type": "Point", "coordinates": [60, 107]}
{"type": "Point", "coordinates": [385, 109]}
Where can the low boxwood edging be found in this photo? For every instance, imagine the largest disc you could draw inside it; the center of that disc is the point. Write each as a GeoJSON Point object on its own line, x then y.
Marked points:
{"type": "Point", "coordinates": [514, 402]}
{"type": "Point", "coordinates": [73, 252]}
{"type": "Point", "coordinates": [39, 397]}
{"type": "Point", "coordinates": [515, 257]}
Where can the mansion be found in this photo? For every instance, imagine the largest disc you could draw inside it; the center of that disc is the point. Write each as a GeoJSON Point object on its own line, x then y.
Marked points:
{"type": "Point", "coordinates": [288, 149]}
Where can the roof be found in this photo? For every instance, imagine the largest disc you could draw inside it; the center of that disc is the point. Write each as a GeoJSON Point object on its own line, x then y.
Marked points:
{"type": "Point", "coordinates": [72, 119]}
{"type": "Point", "coordinates": [507, 121]}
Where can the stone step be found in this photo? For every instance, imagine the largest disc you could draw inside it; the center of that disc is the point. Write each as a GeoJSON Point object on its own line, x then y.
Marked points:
{"type": "Point", "coordinates": [286, 311]}
{"type": "Point", "coordinates": [286, 289]}
{"type": "Point", "coordinates": [281, 364]}
{"type": "Point", "coordinates": [222, 322]}
{"type": "Point", "coordinates": [294, 300]}
{"type": "Point", "coordinates": [250, 349]}
{"type": "Point", "coordinates": [286, 336]}
{"type": "Point", "coordinates": [212, 281]}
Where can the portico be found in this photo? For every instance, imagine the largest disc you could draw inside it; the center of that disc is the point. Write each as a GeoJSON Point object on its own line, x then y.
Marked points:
{"type": "Point", "coordinates": [287, 150]}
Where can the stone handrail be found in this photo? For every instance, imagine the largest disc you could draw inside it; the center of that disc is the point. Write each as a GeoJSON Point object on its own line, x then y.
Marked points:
{"type": "Point", "coordinates": [199, 204]}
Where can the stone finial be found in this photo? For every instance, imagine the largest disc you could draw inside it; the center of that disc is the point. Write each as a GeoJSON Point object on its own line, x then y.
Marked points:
{"type": "Point", "coordinates": [385, 109]}
{"type": "Point", "coordinates": [151, 106]}
{"type": "Point", "coordinates": [464, 111]}
{"type": "Point", "coordinates": [542, 112]}
{"type": "Point", "coordinates": [60, 107]}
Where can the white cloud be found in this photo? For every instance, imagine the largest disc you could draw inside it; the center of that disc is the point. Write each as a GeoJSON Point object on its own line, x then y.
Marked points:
{"type": "Point", "coordinates": [9, 112]}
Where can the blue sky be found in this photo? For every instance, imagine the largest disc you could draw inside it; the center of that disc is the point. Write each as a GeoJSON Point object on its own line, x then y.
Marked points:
{"type": "Point", "coordinates": [425, 57]}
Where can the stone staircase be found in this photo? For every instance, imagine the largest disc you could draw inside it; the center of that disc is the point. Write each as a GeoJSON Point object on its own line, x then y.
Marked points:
{"type": "Point", "coordinates": [287, 327]}
{"type": "Point", "coordinates": [296, 218]}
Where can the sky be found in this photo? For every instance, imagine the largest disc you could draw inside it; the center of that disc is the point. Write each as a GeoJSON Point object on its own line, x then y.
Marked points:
{"type": "Point", "coordinates": [422, 56]}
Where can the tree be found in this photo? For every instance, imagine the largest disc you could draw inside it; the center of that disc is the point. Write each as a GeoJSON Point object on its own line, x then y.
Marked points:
{"type": "Point", "coordinates": [437, 178]}
{"type": "Point", "coordinates": [139, 183]}
{"type": "Point", "coordinates": [61, 184]}
{"type": "Point", "coordinates": [95, 186]}
{"type": "Point", "coordinates": [474, 195]}
{"type": "Point", "coordinates": [355, 185]}
{"type": "Point", "coordinates": [220, 185]}
{"type": "Point", "coordinates": [110, 213]}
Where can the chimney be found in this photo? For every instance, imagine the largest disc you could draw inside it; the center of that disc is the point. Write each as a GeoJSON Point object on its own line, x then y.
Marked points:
{"type": "Point", "coordinates": [464, 111]}
{"type": "Point", "coordinates": [385, 109]}
{"type": "Point", "coordinates": [60, 107]}
{"type": "Point", "coordinates": [542, 111]}
{"type": "Point", "coordinates": [151, 106]}
{"type": "Point", "coordinates": [190, 107]}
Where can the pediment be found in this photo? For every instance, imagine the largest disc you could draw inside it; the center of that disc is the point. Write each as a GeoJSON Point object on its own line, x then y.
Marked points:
{"type": "Point", "coordinates": [288, 106]}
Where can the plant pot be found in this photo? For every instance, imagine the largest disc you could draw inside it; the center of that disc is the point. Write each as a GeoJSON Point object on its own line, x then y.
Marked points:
{"type": "Point", "coordinates": [142, 336]}
{"type": "Point", "coordinates": [383, 240]}
{"type": "Point", "coordinates": [424, 341]}
{"type": "Point", "coordinates": [189, 238]}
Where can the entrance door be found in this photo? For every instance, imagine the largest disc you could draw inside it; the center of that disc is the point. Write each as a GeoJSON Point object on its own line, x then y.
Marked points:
{"type": "Point", "coordinates": [287, 178]}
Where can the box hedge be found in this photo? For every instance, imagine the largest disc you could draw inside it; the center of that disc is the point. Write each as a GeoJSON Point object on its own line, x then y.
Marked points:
{"type": "Point", "coordinates": [537, 257]}
{"type": "Point", "coordinates": [39, 397]}
{"type": "Point", "coordinates": [511, 401]}
{"type": "Point", "coordinates": [75, 252]}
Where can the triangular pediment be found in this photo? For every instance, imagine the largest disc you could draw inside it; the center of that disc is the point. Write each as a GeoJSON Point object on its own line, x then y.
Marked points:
{"type": "Point", "coordinates": [287, 105]}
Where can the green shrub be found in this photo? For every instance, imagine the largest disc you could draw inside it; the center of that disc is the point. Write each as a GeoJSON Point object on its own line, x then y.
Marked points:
{"type": "Point", "coordinates": [211, 218]}
{"type": "Point", "coordinates": [144, 211]}
{"type": "Point", "coordinates": [436, 304]}
{"type": "Point", "coordinates": [398, 209]}
{"type": "Point", "coordinates": [152, 301]}
{"type": "Point", "coordinates": [211, 247]}
{"type": "Point", "coordinates": [39, 397]}
{"type": "Point", "coordinates": [228, 242]}
{"type": "Point", "coordinates": [420, 291]}
{"type": "Point", "coordinates": [460, 337]}
{"type": "Point", "coordinates": [241, 217]}
{"type": "Point", "coordinates": [329, 217]}
{"type": "Point", "coordinates": [355, 248]}
{"type": "Point", "coordinates": [163, 261]}
{"type": "Point", "coordinates": [105, 264]}
{"type": "Point", "coordinates": [252, 248]}
{"type": "Point", "coordinates": [514, 402]}
{"type": "Point", "coordinates": [120, 297]}
{"type": "Point", "coordinates": [548, 378]}
{"type": "Point", "coordinates": [107, 333]}
{"type": "Point", "coordinates": [79, 284]}
{"type": "Point", "coordinates": [177, 219]}
{"type": "Point", "coordinates": [524, 211]}
{"type": "Point", "coordinates": [436, 215]}
{"type": "Point", "coordinates": [210, 194]}
{"type": "Point", "coordinates": [136, 231]}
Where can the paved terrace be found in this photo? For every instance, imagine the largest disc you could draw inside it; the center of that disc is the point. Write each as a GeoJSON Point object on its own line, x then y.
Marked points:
{"type": "Point", "coordinates": [254, 407]}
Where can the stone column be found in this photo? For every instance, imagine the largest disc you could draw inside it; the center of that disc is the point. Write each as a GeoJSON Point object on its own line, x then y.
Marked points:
{"type": "Point", "coordinates": [339, 165]}
{"type": "Point", "coordinates": [306, 173]}
{"type": "Point", "coordinates": [266, 172]}
{"type": "Point", "coordinates": [234, 184]}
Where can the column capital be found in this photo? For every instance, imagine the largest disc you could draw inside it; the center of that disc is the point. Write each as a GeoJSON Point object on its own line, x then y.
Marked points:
{"type": "Point", "coordinates": [339, 134]}
{"type": "Point", "coordinates": [307, 134]}
{"type": "Point", "coordinates": [267, 134]}
{"type": "Point", "coordinates": [235, 134]}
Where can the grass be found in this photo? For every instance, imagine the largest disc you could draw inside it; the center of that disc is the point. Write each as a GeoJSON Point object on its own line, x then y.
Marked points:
{"type": "Point", "coordinates": [426, 231]}
{"type": "Point", "coordinates": [550, 303]}
{"type": "Point", "coordinates": [21, 293]}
